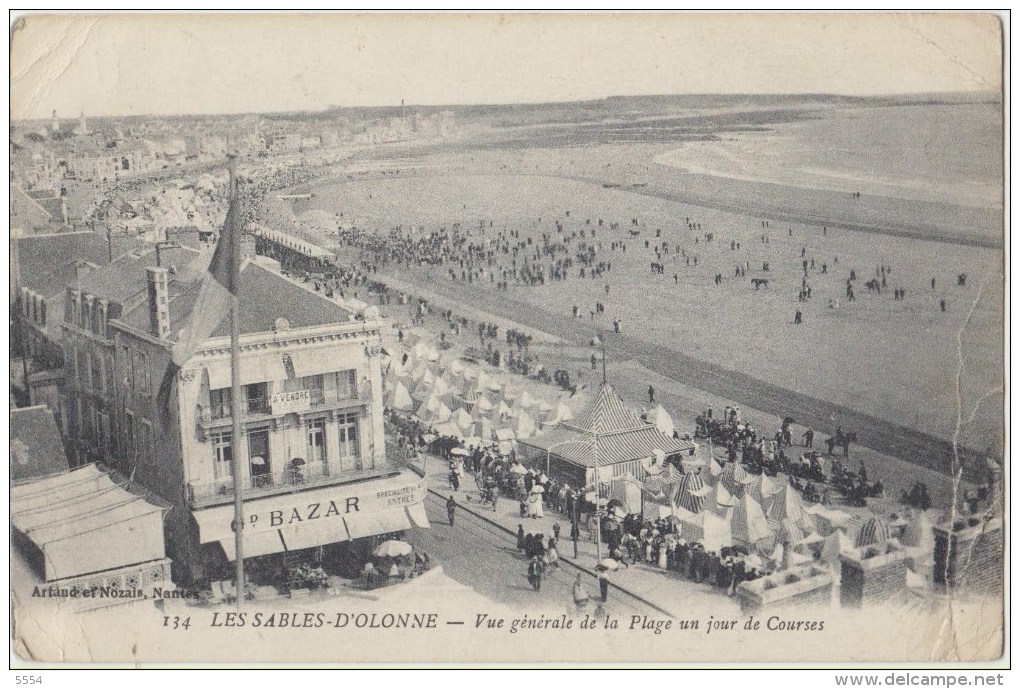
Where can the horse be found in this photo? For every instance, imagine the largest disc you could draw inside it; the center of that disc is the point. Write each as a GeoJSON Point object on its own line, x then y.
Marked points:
{"type": "Point", "coordinates": [760, 282]}
{"type": "Point", "coordinates": [873, 285]}
{"type": "Point", "coordinates": [635, 233]}
{"type": "Point", "coordinates": [841, 440]}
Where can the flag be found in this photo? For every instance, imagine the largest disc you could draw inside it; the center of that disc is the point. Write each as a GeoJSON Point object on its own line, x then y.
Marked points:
{"type": "Point", "coordinates": [219, 283]}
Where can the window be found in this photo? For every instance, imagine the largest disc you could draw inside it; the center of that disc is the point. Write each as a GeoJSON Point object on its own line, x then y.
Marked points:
{"type": "Point", "coordinates": [347, 384]}
{"type": "Point", "coordinates": [128, 367]}
{"type": "Point", "coordinates": [314, 385]}
{"type": "Point", "coordinates": [257, 397]}
{"type": "Point", "coordinates": [348, 430]}
{"type": "Point", "coordinates": [223, 454]}
{"type": "Point", "coordinates": [42, 312]}
{"type": "Point", "coordinates": [108, 371]}
{"type": "Point", "coordinates": [317, 440]}
{"type": "Point", "coordinates": [219, 403]}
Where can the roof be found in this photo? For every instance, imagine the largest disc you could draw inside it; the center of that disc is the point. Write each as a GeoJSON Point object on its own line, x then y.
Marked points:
{"type": "Point", "coordinates": [36, 447]}
{"type": "Point", "coordinates": [605, 413]}
{"type": "Point", "coordinates": [85, 521]}
{"type": "Point", "coordinates": [608, 430]}
{"type": "Point", "coordinates": [264, 297]}
{"type": "Point", "coordinates": [47, 263]}
{"type": "Point", "coordinates": [125, 277]}
{"type": "Point", "coordinates": [27, 211]}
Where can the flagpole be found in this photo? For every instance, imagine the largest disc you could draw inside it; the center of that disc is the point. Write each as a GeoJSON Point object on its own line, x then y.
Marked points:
{"type": "Point", "coordinates": [235, 391]}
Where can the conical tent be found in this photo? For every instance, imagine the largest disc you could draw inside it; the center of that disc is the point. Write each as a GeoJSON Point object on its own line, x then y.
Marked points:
{"type": "Point", "coordinates": [687, 494]}
{"type": "Point", "coordinates": [400, 398]}
{"type": "Point", "coordinates": [838, 543]}
{"type": "Point", "coordinates": [524, 427]}
{"type": "Point", "coordinates": [462, 419]}
{"type": "Point", "coordinates": [504, 411]}
{"type": "Point", "coordinates": [421, 350]}
{"type": "Point", "coordinates": [526, 400]}
{"type": "Point", "coordinates": [787, 505]}
{"type": "Point", "coordinates": [707, 528]}
{"type": "Point", "coordinates": [661, 419]}
{"type": "Point", "coordinates": [741, 476]}
{"type": "Point", "coordinates": [449, 429]}
{"type": "Point", "coordinates": [482, 428]}
{"type": "Point", "coordinates": [874, 532]}
{"type": "Point", "coordinates": [748, 521]}
{"type": "Point", "coordinates": [440, 387]}
{"type": "Point", "coordinates": [483, 404]}
{"type": "Point", "coordinates": [627, 490]}
{"type": "Point", "coordinates": [720, 500]}
{"type": "Point", "coordinates": [482, 383]}
{"type": "Point", "coordinates": [770, 485]}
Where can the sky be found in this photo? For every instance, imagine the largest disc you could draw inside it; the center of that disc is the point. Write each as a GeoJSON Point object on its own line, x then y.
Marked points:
{"type": "Point", "coordinates": [232, 63]}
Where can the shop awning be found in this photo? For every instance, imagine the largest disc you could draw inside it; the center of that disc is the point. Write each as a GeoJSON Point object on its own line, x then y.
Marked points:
{"type": "Point", "coordinates": [83, 521]}
{"type": "Point", "coordinates": [312, 363]}
{"type": "Point", "coordinates": [293, 521]}
{"type": "Point", "coordinates": [255, 545]}
{"type": "Point", "coordinates": [262, 368]}
{"type": "Point", "coordinates": [219, 375]}
{"type": "Point", "coordinates": [375, 523]}
{"type": "Point", "coordinates": [418, 516]}
{"type": "Point", "coordinates": [315, 534]}
{"type": "Point", "coordinates": [259, 368]}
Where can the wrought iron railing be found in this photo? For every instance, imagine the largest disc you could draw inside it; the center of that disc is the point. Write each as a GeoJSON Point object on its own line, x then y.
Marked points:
{"type": "Point", "coordinates": [293, 477]}
{"type": "Point", "coordinates": [262, 406]}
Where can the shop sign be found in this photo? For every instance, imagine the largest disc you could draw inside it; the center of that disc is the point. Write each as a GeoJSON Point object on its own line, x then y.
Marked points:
{"type": "Point", "coordinates": [290, 402]}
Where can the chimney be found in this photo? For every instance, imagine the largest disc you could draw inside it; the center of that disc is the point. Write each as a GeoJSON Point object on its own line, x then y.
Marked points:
{"type": "Point", "coordinates": [159, 302]}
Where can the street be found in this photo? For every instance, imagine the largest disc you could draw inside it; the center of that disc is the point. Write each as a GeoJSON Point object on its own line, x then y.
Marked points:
{"type": "Point", "coordinates": [483, 556]}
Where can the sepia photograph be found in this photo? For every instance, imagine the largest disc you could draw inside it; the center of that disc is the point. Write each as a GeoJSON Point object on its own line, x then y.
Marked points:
{"type": "Point", "coordinates": [518, 339]}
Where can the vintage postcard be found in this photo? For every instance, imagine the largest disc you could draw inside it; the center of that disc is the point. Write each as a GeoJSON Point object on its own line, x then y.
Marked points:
{"type": "Point", "coordinates": [507, 338]}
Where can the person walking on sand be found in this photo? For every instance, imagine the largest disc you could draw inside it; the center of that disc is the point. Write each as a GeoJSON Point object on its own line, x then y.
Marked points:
{"type": "Point", "coordinates": [651, 390]}
{"type": "Point", "coordinates": [451, 509]}
{"type": "Point", "coordinates": [809, 437]}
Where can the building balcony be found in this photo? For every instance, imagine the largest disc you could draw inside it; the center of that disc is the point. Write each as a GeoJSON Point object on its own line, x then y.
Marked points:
{"type": "Point", "coordinates": [313, 474]}
{"type": "Point", "coordinates": [216, 415]}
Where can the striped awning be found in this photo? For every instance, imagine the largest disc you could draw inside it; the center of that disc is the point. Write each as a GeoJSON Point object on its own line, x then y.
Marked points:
{"type": "Point", "coordinates": [613, 448]}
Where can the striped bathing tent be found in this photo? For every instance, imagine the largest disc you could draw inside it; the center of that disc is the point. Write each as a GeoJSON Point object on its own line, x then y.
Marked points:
{"type": "Point", "coordinates": [690, 493]}
{"type": "Point", "coordinates": [874, 532]}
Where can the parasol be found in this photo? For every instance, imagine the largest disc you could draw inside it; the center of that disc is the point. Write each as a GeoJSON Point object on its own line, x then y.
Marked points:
{"type": "Point", "coordinates": [609, 564]}
{"type": "Point", "coordinates": [459, 451]}
{"type": "Point", "coordinates": [392, 549]}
